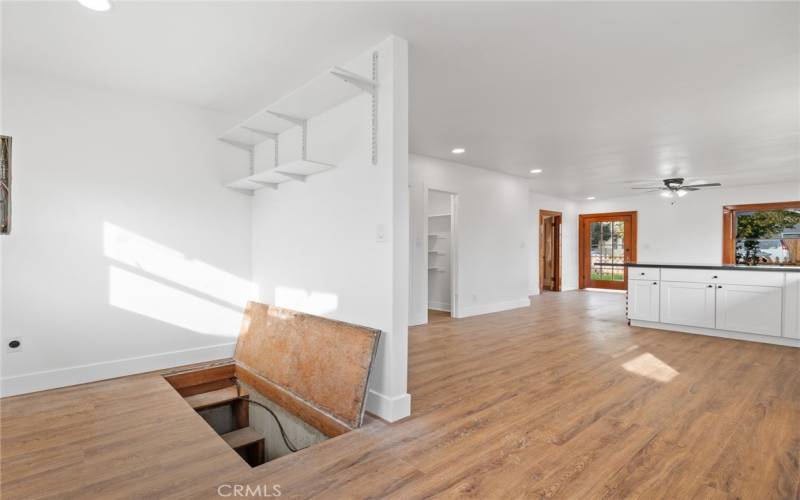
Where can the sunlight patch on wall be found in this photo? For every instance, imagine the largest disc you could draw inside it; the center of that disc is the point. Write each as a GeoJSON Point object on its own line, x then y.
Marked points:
{"type": "Point", "coordinates": [651, 367]}
{"type": "Point", "coordinates": [317, 303]}
{"type": "Point", "coordinates": [141, 295]}
{"type": "Point", "coordinates": [141, 253]}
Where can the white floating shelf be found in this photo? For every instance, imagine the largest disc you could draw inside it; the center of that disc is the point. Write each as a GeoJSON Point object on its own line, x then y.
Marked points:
{"type": "Point", "coordinates": [437, 235]}
{"type": "Point", "coordinates": [434, 269]}
{"type": "Point", "coordinates": [243, 185]}
{"type": "Point", "coordinates": [439, 215]}
{"type": "Point", "coordinates": [437, 253]}
{"type": "Point", "coordinates": [294, 170]}
{"type": "Point", "coordinates": [324, 92]}
{"type": "Point", "coordinates": [303, 167]}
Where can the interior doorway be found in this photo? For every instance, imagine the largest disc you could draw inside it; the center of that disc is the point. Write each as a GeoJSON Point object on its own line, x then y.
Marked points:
{"type": "Point", "coordinates": [549, 251]}
{"type": "Point", "coordinates": [440, 212]}
{"type": "Point", "coordinates": [606, 243]}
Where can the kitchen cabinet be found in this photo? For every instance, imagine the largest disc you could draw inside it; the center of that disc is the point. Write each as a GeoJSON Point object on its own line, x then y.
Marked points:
{"type": "Point", "coordinates": [749, 309]}
{"type": "Point", "coordinates": [748, 303]}
{"type": "Point", "coordinates": [643, 302]}
{"type": "Point", "coordinates": [791, 306]}
{"type": "Point", "coordinates": [689, 304]}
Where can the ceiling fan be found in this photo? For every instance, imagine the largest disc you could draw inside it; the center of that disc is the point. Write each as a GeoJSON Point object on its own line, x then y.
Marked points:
{"type": "Point", "coordinates": [675, 186]}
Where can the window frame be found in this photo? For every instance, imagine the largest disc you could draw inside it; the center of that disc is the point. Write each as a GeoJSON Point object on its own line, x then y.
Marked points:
{"type": "Point", "coordinates": [729, 218]}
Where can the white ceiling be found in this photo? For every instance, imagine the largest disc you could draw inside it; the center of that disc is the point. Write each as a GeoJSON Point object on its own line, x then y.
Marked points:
{"type": "Point", "coordinates": [595, 94]}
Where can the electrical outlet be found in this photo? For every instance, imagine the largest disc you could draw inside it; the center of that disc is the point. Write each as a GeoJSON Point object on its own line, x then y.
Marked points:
{"type": "Point", "coordinates": [14, 344]}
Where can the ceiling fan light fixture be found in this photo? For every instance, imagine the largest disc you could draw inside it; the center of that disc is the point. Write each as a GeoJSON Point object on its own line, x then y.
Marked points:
{"type": "Point", "coordinates": [681, 193]}
{"type": "Point", "coordinates": [667, 194]}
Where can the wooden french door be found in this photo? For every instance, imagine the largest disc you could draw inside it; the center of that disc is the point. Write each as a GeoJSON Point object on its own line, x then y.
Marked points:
{"type": "Point", "coordinates": [607, 242]}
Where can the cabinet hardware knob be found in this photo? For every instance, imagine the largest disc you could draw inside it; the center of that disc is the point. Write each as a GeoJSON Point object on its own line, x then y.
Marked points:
{"type": "Point", "coordinates": [655, 282]}
{"type": "Point", "coordinates": [710, 286]}
{"type": "Point", "coordinates": [719, 286]}
{"type": "Point", "coordinates": [715, 277]}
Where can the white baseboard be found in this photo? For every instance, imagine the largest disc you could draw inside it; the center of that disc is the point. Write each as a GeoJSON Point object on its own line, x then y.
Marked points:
{"type": "Point", "coordinates": [439, 306]}
{"type": "Point", "coordinates": [388, 408]}
{"type": "Point", "coordinates": [713, 332]}
{"type": "Point", "coordinates": [420, 320]}
{"type": "Point", "coordinates": [467, 311]}
{"type": "Point", "coordinates": [73, 375]}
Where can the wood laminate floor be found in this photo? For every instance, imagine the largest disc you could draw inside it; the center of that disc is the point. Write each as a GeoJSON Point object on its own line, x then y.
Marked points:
{"type": "Point", "coordinates": [558, 400]}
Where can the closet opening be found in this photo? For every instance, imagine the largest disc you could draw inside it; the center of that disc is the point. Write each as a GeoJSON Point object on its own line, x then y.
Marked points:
{"type": "Point", "coordinates": [440, 210]}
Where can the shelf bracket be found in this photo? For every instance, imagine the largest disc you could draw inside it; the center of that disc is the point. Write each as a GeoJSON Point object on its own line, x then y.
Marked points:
{"type": "Point", "coordinates": [269, 135]}
{"type": "Point", "coordinates": [371, 88]}
{"type": "Point", "coordinates": [237, 144]}
{"type": "Point", "coordinates": [303, 124]}
{"type": "Point", "coordinates": [288, 118]}
{"type": "Point", "coordinates": [374, 95]}
{"type": "Point", "coordinates": [271, 185]}
{"type": "Point", "coordinates": [359, 81]}
{"type": "Point", "coordinates": [294, 177]}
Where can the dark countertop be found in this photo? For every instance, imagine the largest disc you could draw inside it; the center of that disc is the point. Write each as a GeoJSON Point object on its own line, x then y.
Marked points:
{"type": "Point", "coordinates": [727, 267]}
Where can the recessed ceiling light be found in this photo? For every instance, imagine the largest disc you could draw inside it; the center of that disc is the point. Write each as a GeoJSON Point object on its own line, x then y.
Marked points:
{"type": "Point", "coordinates": [98, 5]}
{"type": "Point", "coordinates": [536, 171]}
{"type": "Point", "coordinates": [458, 151]}
{"type": "Point", "coordinates": [590, 197]}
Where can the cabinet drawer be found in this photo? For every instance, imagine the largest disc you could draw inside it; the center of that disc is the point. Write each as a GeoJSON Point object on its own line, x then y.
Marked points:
{"type": "Point", "coordinates": [689, 275]}
{"type": "Point", "coordinates": [644, 273]}
{"type": "Point", "coordinates": [723, 276]}
{"type": "Point", "coordinates": [755, 278]}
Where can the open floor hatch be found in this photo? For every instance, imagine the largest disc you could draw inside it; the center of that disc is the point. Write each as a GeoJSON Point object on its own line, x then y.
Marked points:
{"type": "Point", "coordinates": [295, 380]}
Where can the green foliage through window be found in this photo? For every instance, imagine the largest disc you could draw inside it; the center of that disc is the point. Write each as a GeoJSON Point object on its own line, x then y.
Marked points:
{"type": "Point", "coordinates": [768, 237]}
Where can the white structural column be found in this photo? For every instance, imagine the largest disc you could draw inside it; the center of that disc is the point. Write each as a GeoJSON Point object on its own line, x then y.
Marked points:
{"type": "Point", "coordinates": [388, 396]}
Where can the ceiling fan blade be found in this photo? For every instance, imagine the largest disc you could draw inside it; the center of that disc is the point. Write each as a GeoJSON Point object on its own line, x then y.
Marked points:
{"type": "Point", "coordinates": [689, 188]}
{"type": "Point", "coordinates": [649, 187]}
{"type": "Point", "coordinates": [711, 184]}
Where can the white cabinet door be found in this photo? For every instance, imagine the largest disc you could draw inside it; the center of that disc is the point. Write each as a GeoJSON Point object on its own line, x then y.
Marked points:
{"type": "Point", "coordinates": [791, 306]}
{"type": "Point", "coordinates": [688, 304]}
{"type": "Point", "coordinates": [643, 300]}
{"type": "Point", "coordinates": [749, 309]}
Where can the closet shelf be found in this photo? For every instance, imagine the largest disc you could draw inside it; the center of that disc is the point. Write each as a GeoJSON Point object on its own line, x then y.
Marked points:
{"type": "Point", "coordinates": [438, 215]}
{"type": "Point", "coordinates": [438, 235]}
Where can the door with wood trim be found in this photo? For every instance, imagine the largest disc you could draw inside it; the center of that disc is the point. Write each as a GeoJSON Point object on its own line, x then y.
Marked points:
{"type": "Point", "coordinates": [549, 250]}
{"type": "Point", "coordinates": [607, 241]}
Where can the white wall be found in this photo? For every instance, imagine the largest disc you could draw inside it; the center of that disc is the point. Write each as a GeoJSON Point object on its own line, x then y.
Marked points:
{"type": "Point", "coordinates": [691, 230]}
{"type": "Point", "coordinates": [126, 252]}
{"type": "Point", "coordinates": [569, 240]}
{"type": "Point", "coordinates": [315, 244]}
{"type": "Point", "coordinates": [493, 237]}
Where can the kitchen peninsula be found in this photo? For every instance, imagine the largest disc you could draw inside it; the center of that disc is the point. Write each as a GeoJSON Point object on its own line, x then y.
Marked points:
{"type": "Point", "coordinates": [754, 303]}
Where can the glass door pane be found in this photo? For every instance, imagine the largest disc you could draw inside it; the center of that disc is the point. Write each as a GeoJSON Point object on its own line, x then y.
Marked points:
{"type": "Point", "coordinates": [606, 251]}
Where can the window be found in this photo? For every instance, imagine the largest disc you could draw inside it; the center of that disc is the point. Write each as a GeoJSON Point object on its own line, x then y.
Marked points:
{"type": "Point", "coordinates": [762, 234]}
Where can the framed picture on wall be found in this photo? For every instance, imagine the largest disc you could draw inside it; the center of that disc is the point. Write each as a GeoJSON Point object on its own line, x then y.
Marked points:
{"type": "Point", "coordinates": [5, 184]}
